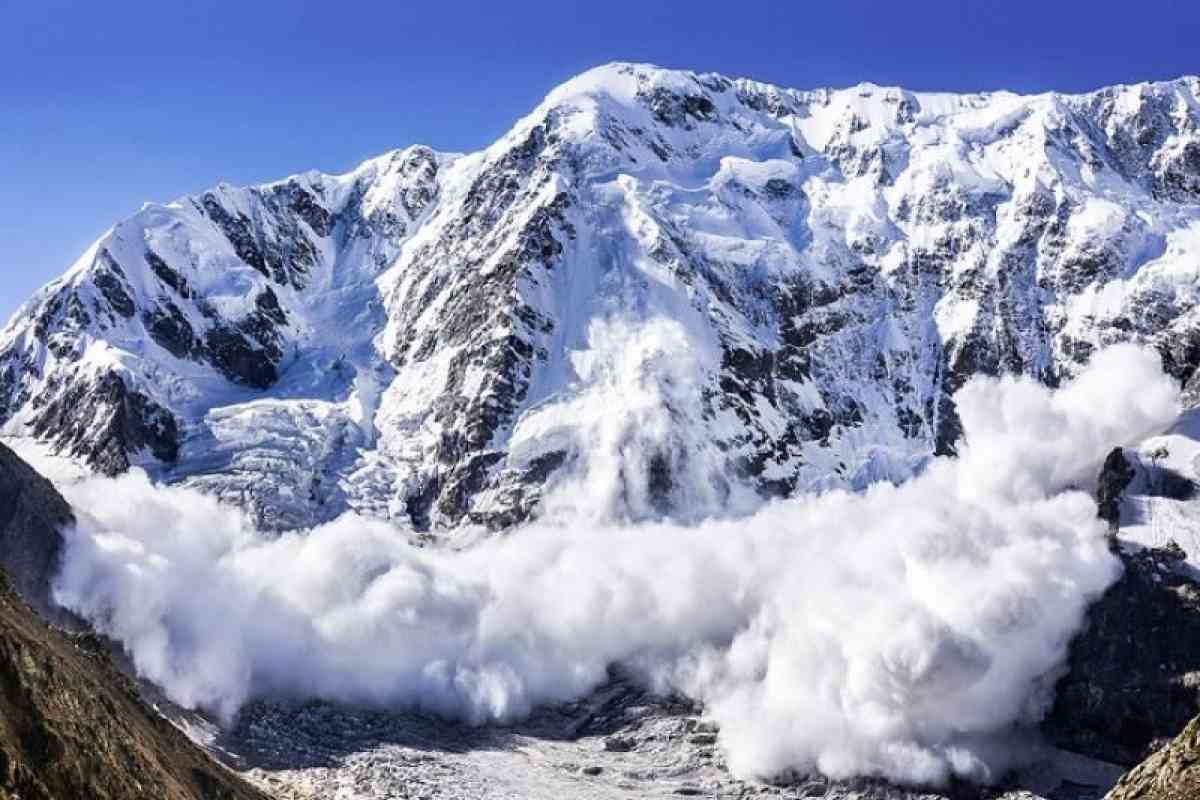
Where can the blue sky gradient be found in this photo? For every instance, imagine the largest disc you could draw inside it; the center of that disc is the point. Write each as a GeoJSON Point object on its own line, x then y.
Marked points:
{"type": "Point", "coordinates": [108, 105]}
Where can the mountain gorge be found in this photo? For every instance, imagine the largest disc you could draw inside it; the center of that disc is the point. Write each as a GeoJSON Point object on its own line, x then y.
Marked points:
{"type": "Point", "coordinates": [763, 287]}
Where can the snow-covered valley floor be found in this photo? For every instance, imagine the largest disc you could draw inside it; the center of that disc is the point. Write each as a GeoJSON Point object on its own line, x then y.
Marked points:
{"type": "Point", "coordinates": [621, 742]}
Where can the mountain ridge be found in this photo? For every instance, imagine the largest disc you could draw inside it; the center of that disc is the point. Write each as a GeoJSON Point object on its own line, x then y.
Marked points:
{"type": "Point", "coordinates": [403, 340]}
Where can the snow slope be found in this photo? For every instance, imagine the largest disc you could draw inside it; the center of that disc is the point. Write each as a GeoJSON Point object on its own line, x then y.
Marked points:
{"type": "Point", "coordinates": [695, 283]}
{"type": "Point", "coordinates": [1161, 504]}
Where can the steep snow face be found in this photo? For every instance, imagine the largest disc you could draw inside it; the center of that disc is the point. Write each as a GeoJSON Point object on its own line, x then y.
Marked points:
{"type": "Point", "coordinates": [711, 286]}
{"type": "Point", "coordinates": [223, 339]}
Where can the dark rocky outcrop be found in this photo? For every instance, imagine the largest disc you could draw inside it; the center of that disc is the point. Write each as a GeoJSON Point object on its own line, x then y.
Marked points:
{"type": "Point", "coordinates": [72, 725]}
{"type": "Point", "coordinates": [110, 280]}
{"type": "Point", "coordinates": [1134, 671]}
{"type": "Point", "coordinates": [1133, 675]}
{"type": "Point", "coordinates": [468, 304]}
{"type": "Point", "coordinates": [239, 360]}
{"type": "Point", "coordinates": [167, 275]}
{"type": "Point", "coordinates": [168, 326]}
{"type": "Point", "coordinates": [103, 421]}
{"type": "Point", "coordinates": [32, 513]}
{"type": "Point", "coordinates": [1115, 475]}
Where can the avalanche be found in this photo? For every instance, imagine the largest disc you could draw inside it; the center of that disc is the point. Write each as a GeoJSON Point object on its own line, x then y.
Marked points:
{"type": "Point", "coordinates": [901, 632]}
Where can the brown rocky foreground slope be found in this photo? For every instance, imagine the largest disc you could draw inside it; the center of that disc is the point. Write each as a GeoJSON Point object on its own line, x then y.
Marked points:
{"type": "Point", "coordinates": [1172, 773]}
{"type": "Point", "coordinates": [32, 513]}
{"type": "Point", "coordinates": [71, 724]}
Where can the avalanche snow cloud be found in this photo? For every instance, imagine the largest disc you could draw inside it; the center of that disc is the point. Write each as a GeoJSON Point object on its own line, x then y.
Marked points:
{"type": "Point", "coordinates": [902, 631]}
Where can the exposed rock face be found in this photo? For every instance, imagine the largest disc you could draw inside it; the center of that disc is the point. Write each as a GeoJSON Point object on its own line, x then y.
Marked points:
{"type": "Point", "coordinates": [72, 725]}
{"type": "Point", "coordinates": [1134, 671]}
{"type": "Point", "coordinates": [395, 340]}
{"type": "Point", "coordinates": [105, 423]}
{"type": "Point", "coordinates": [1173, 773]}
{"type": "Point", "coordinates": [32, 514]}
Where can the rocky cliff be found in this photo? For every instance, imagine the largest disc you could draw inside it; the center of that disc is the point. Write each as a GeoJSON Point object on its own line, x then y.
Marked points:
{"type": "Point", "coordinates": [71, 723]}
{"type": "Point", "coordinates": [32, 514]}
{"type": "Point", "coordinates": [1173, 773]}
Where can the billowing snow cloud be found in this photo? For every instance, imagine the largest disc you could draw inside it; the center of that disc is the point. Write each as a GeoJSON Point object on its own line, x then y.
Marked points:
{"type": "Point", "coordinates": [899, 632]}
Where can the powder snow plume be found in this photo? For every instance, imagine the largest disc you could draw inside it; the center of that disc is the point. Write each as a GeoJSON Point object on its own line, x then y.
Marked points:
{"type": "Point", "coordinates": [900, 632]}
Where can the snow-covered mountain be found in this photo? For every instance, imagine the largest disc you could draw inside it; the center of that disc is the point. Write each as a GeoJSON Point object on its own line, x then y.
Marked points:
{"type": "Point", "coordinates": [688, 283]}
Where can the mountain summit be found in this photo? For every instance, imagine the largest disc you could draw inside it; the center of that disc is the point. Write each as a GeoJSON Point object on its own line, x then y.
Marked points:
{"type": "Point", "coordinates": [690, 286]}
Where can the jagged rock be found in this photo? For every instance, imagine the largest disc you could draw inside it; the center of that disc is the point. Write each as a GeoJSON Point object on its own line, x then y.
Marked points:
{"type": "Point", "coordinates": [32, 516]}
{"type": "Point", "coordinates": [1115, 475]}
{"type": "Point", "coordinates": [1133, 676]}
{"type": "Point", "coordinates": [103, 423]}
{"type": "Point", "coordinates": [1173, 773]}
{"type": "Point", "coordinates": [617, 744]}
{"type": "Point", "coordinates": [240, 360]}
{"type": "Point", "coordinates": [72, 725]}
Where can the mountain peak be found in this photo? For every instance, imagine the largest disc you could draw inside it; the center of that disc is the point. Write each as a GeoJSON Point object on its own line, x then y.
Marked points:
{"type": "Point", "coordinates": [620, 80]}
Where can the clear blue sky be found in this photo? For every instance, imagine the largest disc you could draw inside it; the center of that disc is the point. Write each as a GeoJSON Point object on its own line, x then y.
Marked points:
{"type": "Point", "coordinates": [109, 104]}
